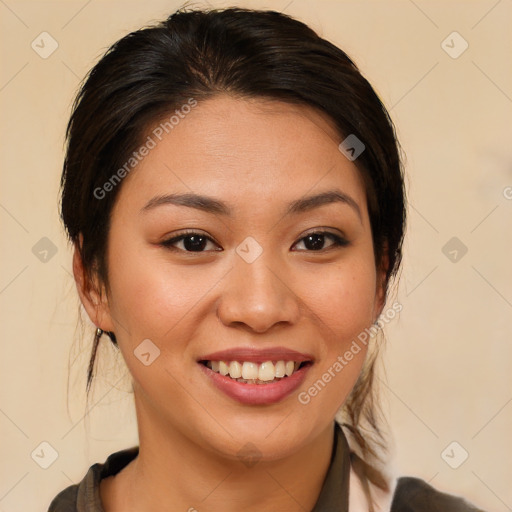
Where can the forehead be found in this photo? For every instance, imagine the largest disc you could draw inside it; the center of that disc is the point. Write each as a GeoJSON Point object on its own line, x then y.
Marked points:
{"type": "Point", "coordinates": [238, 148]}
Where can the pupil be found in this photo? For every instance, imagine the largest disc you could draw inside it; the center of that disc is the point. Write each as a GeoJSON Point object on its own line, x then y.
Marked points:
{"type": "Point", "coordinates": [194, 243]}
{"type": "Point", "coordinates": [317, 241]}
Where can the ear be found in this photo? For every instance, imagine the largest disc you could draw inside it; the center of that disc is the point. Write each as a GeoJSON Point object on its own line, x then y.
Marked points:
{"type": "Point", "coordinates": [94, 301]}
{"type": "Point", "coordinates": [381, 282]}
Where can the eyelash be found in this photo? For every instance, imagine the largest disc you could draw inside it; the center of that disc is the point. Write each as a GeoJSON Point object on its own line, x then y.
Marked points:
{"type": "Point", "coordinates": [338, 241]}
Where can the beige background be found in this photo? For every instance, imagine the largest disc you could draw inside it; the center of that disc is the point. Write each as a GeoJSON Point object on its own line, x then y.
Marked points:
{"type": "Point", "coordinates": [448, 357]}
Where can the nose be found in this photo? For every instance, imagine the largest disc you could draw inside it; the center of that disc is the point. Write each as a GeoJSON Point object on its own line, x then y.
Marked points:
{"type": "Point", "coordinates": [257, 296]}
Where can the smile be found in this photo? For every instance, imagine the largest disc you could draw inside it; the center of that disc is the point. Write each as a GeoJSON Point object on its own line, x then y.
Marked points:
{"type": "Point", "coordinates": [254, 383]}
{"type": "Point", "coordinates": [249, 372]}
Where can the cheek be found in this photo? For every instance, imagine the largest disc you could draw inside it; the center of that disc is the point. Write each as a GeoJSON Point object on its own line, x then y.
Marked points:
{"type": "Point", "coordinates": [342, 306]}
{"type": "Point", "coordinates": [342, 299]}
{"type": "Point", "coordinates": [152, 295]}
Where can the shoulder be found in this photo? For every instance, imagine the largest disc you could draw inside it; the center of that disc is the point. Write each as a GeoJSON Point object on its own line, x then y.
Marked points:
{"type": "Point", "coordinates": [416, 495]}
{"type": "Point", "coordinates": [66, 500]}
{"type": "Point", "coordinates": [85, 494]}
{"type": "Point", "coordinates": [398, 493]}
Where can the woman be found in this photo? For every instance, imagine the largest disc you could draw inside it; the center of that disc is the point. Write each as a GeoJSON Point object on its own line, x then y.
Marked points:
{"type": "Point", "coordinates": [234, 193]}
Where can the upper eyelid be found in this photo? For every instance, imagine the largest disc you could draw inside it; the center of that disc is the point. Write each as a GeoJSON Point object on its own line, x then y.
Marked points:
{"type": "Point", "coordinates": [336, 236]}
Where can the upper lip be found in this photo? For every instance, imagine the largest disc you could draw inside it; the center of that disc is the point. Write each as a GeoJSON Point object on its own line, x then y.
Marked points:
{"type": "Point", "coordinates": [257, 355]}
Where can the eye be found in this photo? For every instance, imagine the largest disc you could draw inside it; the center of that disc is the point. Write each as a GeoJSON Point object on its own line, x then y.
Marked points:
{"type": "Point", "coordinates": [192, 242]}
{"type": "Point", "coordinates": [315, 241]}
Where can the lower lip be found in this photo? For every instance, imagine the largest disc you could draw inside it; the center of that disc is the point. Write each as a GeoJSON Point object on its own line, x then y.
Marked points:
{"type": "Point", "coordinates": [257, 394]}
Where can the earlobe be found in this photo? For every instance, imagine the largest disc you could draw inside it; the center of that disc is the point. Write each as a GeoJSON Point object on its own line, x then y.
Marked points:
{"type": "Point", "coordinates": [93, 301]}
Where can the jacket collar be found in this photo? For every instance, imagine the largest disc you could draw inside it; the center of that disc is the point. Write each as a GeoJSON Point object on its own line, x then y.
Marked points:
{"type": "Point", "coordinates": [334, 494]}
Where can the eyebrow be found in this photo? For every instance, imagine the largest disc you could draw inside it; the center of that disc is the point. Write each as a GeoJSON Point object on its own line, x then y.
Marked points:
{"type": "Point", "coordinates": [215, 206]}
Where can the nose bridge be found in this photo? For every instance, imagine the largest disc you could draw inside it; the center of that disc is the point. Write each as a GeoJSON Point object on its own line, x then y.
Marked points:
{"type": "Point", "coordinates": [256, 293]}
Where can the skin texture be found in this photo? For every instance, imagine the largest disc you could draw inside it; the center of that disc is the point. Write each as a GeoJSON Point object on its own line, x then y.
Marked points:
{"type": "Point", "coordinates": [257, 156]}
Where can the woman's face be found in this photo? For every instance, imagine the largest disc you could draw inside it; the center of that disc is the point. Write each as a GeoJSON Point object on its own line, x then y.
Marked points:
{"type": "Point", "coordinates": [249, 279]}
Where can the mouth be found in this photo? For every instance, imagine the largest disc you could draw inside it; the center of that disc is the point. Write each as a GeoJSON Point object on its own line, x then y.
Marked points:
{"type": "Point", "coordinates": [250, 372]}
{"type": "Point", "coordinates": [255, 383]}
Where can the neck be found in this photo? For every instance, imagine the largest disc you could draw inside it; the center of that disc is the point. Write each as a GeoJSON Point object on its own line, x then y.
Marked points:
{"type": "Point", "coordinates": [172, 472]}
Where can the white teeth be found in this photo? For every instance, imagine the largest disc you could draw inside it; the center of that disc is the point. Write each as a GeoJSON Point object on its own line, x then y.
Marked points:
{"type": "Point", "coordinates": [253, 372]}
{"type": "Point", "coordinates": [250, 370]}
{"type": "Point", "coordinates": [235, 370]}
{"type": "Point", "coordinates": [223, 368]}
{"type": "Point", "coordinates": [266, 371]}
{"type": "Point", "coordinates": [280, 369]}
